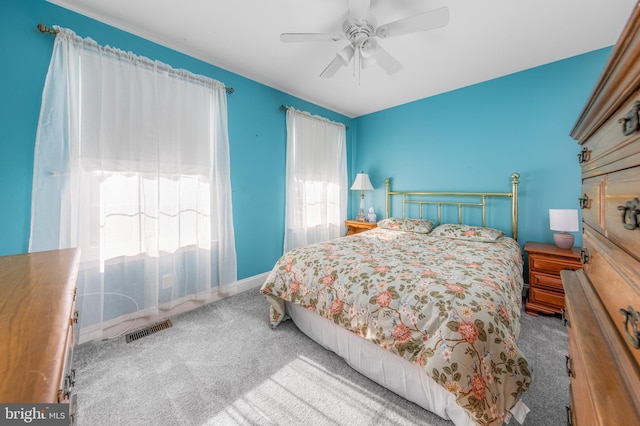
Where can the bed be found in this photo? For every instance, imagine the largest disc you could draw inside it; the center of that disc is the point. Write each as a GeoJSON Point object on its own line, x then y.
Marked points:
{"type": "Point", "coordinates": [425, 306]}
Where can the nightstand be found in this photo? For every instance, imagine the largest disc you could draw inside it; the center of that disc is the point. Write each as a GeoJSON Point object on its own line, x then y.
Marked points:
{"type": "Point", "coordinates": [546, 294]}
{"type": "Point", "coordinates": [355, 227]}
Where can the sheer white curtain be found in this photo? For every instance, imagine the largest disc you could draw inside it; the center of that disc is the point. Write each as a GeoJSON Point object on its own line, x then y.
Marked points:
{"type": "Point", "coordinates": [316, 179]}
{"type": "Point", "coordinates": [132, 166]}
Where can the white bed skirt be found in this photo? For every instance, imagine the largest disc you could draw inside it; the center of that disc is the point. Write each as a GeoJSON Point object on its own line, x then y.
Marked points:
{"type": "Point", "coordinates": [383, 367]}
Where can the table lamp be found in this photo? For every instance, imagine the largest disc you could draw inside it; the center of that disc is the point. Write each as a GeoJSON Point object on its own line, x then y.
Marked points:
{"type": "Point", "coordinates": [564, 221]}
{"type": "Point", "coordinates": [362, 183]}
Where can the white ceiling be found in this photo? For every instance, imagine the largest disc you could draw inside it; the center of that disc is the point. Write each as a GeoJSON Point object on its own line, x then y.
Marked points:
{"type": "Point", "coordinates": [484, 39]}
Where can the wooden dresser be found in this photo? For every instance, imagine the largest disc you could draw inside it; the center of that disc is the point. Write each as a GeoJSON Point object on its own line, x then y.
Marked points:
{"type": "Point", "coordinates": [603, 298]}
{"type": "Point", "coordinates": [37, 317]}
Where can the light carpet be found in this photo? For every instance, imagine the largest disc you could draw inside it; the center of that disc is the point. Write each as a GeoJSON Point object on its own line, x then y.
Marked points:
{"type": "Point", "coordinates": [222, 364]}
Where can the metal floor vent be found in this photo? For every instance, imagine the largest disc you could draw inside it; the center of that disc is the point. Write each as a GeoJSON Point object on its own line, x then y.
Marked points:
{"type": "Point", "coordinates": [139, 334]}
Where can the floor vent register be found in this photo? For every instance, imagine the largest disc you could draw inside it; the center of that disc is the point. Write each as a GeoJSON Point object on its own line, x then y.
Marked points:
{"type": "Point", "coordinates": [139, 334]}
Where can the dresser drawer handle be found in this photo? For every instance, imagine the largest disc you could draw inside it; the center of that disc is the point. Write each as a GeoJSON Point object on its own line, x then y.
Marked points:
{"type": "Point", "coordinates": [630, 211]}
{"type": "Point", "coordinates": [569, 416]}
{"type": "Point", "coordinates": [584, 155]}
{"type": "Point", "coordinates": [583, 202]}
{"type": "Point", "coordinates": [70, 380]}
{"type": "Point", "coordinates": [584, 256]}
{"type": "Point", "coordinates": [565, 319]}
{"type": "Point", "coordinates": [633, 317]}
{"type": "Point", "coordinates": [630, 122]}
{"type": "Point", "coordinates": [567, 366]}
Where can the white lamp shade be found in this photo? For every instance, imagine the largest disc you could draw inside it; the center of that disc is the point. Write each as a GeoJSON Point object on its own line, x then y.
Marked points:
{"type": "Point", "coordinates": [362, 183]}
{"type": "Point", "coordinates": [565, 220]}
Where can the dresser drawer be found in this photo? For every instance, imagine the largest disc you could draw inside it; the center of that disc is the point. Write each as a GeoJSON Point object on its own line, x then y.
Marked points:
{"type": "Point", "coordinates": [609, 144]}
{"type": "Point", "coordinates": [616, 280]}
{"type": "Point", "coordinates": [552, 265]}
{"type": "Point", "coordinates": [601, 371]}
{"type": "Point", "coordinates": [622, 188]}
{"type": "Point", "coordinates": [581, 399]}
{"type": "Point", "coordinates": [68, 379]}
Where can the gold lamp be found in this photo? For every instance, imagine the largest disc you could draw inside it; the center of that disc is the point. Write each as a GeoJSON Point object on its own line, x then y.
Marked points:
{"type": "Point", "coordinates": [362, 183]}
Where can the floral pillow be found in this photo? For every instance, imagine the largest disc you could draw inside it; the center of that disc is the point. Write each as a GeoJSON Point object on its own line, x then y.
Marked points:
{"type": "Point", "coordinates": [421, 226]}
{"type": "Point", "coordinates": [467, 232]}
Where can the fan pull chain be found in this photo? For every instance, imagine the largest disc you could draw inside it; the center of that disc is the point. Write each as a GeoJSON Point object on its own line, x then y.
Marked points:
{"type": "Point", "coordinates": [358, 61]}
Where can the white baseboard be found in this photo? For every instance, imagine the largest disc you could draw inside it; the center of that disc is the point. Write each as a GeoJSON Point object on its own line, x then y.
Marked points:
{"type": "Point", "coordinates": [121, 326]}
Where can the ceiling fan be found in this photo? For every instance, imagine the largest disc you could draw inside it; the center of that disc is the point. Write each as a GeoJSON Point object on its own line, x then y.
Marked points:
{"type": "Point", "coordinates": [361, 29]}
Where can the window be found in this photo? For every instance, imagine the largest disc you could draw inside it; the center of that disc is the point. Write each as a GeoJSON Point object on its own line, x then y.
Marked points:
{"type": "Point", "coordinates": [132, 166]}
{"type": "Point", "coordinates": [316, 200]}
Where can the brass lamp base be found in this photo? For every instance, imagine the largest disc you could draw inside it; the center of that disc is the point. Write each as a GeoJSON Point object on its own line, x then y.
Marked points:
{"type": "Point", "coordinates": [361, 217]}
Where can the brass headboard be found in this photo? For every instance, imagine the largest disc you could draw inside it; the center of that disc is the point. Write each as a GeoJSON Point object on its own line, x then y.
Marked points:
{"type": "Point", "coordinates": [460, 199]}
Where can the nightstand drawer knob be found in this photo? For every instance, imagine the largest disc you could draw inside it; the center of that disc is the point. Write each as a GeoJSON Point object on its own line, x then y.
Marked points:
{"type": "Point", "coordinates": [633, 317]}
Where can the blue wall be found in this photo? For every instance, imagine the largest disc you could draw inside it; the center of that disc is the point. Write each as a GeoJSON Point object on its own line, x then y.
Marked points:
{"type": "Point", "coordinates": [257, 133]}
{"type": "Point", "coordinates": [471, 138]}
{"type": "Point", "coordinates": [475, 137]}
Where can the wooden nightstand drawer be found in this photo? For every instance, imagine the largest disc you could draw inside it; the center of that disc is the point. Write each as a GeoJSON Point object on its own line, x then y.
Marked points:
{"type": "Point", "coordinates": [545, 301]}
{"type": "Point", "coordinates": [552, 264]}
{"type": "Point", "coordinates": [546, 280]}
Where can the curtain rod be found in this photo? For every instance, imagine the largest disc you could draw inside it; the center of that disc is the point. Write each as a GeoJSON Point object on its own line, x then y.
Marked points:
{"type": "Point", "coordinates": [44, 29]}
{"type": "Point", "coordinates": [285, 108]}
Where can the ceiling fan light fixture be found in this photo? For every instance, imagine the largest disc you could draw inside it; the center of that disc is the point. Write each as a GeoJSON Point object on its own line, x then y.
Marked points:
{"type": "Point", "coordinates": [368, 47]}
{"type": "Point", "coordinates": [383, 31]}
{"type": "Point", "coordinates": [367, 61]}
{"type": "Point", "coordinates": [346, 55]}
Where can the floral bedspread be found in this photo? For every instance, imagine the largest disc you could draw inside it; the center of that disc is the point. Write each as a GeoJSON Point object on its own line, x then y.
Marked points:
{"type": "Point", "coordinates": [451, 306]}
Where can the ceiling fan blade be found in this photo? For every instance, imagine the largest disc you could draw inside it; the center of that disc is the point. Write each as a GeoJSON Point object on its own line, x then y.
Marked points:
{"type": "Point", "coordinates": [382, 57]}
{"type": "Point", "coordinates": [301, 37]}
{"type": "Point", "coordinates": [422, 22]}
{"type": "Point", "coordinates": [342, 59]}
{"type": "Point", "coordinates": [332, 68]}
{"type": "Point", "coordinates": [359, 9]}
